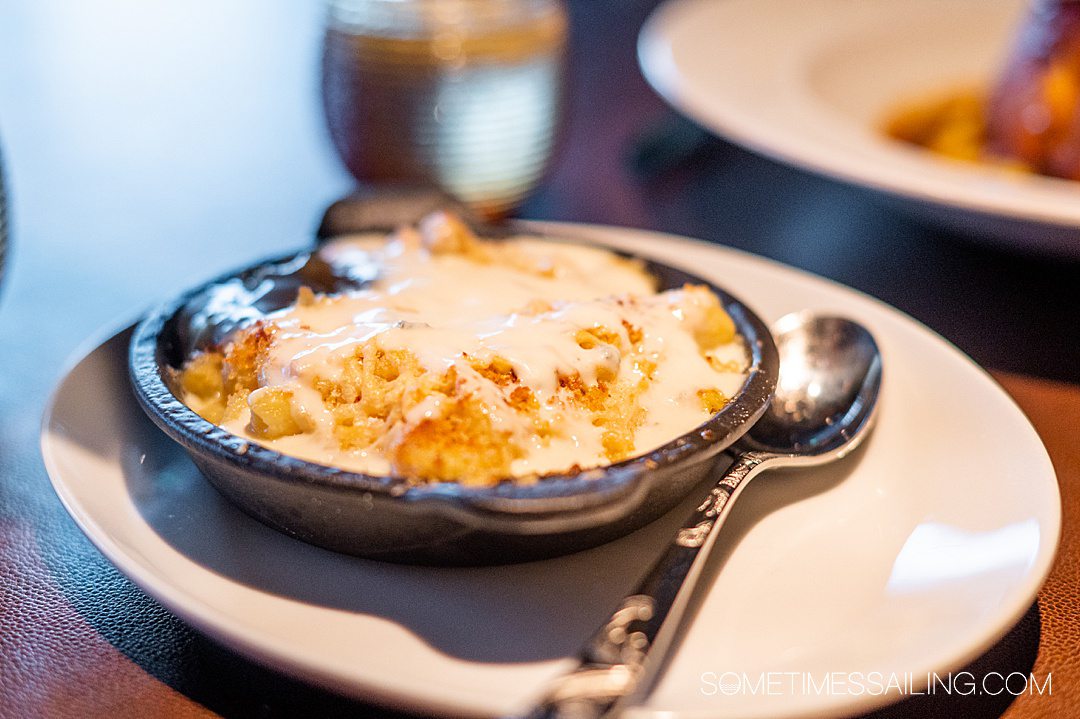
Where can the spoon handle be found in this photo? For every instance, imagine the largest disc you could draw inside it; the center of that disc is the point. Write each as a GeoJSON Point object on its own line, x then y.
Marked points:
{"type": "Point", "coordinates": [613, 664]}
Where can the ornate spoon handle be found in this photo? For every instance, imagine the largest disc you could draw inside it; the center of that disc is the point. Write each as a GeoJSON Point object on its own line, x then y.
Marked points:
{"type": "Point", "coordinates": [613, 663]}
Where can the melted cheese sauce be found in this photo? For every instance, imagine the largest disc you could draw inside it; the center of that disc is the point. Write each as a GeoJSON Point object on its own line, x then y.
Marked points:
{"type": "Point", "coordinates": [524, 309]}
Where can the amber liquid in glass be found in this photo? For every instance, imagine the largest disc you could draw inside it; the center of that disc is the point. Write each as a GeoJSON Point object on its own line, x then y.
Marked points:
{"type": "Point", "coordinates": [472, 106]}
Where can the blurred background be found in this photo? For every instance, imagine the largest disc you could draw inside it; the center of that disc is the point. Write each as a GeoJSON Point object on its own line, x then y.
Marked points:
{"type": "Point", "coordinates": [133, 130]}
{"type": "Point", "coordinates": [148, 145]}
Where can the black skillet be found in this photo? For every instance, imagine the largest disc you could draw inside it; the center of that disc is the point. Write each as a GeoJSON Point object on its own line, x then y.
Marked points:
{"type": "Point", "coordinates": [390, 518]}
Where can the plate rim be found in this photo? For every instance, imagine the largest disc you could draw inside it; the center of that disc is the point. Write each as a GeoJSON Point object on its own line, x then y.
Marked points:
{"type": "Point", "coordinates": [209, 621]}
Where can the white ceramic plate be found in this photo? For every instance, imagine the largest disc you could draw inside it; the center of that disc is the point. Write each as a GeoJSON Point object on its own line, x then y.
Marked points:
{"type": "Point", "coordinates": [915, 554]}
{"type": "Point", "coordinates": [808, 82]}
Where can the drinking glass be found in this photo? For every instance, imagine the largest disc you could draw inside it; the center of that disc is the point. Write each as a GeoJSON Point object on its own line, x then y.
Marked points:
{"type": "Point", "coordinates": [466, 95]}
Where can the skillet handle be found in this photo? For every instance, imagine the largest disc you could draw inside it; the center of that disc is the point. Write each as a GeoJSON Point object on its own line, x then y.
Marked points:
{"type": "Point", "coordinates": [384, 209]}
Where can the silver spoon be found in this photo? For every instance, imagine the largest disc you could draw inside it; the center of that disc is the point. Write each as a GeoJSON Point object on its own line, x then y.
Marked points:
{"type": "Point", "coordinates": [825, 402]}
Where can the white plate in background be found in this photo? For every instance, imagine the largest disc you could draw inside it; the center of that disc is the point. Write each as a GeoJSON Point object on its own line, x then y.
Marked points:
{"type": "Point", "coordinates": [810, 82]}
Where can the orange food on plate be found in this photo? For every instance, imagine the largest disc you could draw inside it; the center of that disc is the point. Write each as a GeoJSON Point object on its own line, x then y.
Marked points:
{"type": "Point", "coordinates": [1034, 112]}
{"type": "Point", "coordinates": [1030, 119]}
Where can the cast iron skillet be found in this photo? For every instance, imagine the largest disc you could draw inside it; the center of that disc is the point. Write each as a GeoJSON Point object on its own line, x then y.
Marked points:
{"type": "Point", "coordinates": [386, 517]}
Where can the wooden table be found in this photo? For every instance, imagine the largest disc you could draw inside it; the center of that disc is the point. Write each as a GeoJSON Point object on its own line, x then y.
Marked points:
{"type": "Point", "coordinates": [151, 145]}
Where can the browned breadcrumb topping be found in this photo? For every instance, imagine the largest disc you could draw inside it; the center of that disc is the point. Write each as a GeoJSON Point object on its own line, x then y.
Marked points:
{"type": "Point", "coordinates": [377, 390]}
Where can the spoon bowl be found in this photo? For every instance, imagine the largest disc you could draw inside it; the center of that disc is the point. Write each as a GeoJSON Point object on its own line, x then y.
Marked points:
{"type": "Point", "coordinates": [830, 377]}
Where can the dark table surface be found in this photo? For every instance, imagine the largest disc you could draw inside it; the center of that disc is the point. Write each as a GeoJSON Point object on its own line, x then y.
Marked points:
{"type": "Point", "coordinates": [149, 145]}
